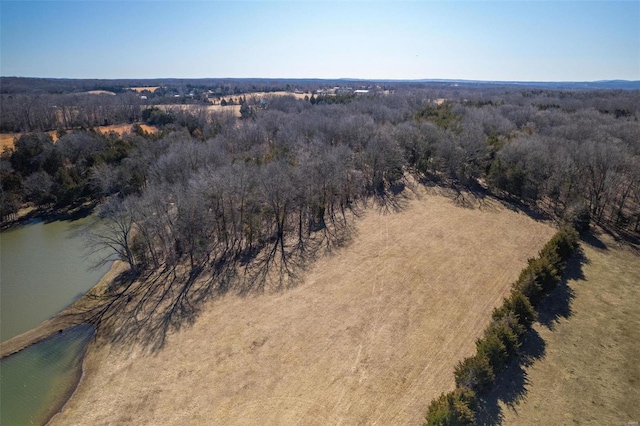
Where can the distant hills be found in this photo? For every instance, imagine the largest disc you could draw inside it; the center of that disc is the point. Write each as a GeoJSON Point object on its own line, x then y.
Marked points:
{"type": "Point", "coordinates": [566, 85]}
{"type": "Point", "coordinates": [64, 85]}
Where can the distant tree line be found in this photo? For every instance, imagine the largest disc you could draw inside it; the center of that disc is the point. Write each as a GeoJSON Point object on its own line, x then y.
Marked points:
{"type": "Point", "coordinates": [211, 186]}
{"type": "Point", "coordinates": [46, 112]}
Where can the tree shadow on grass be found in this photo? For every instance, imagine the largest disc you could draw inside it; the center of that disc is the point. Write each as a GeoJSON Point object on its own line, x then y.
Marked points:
{"type": "Point", "coordinates": [511, 385]}
{"type": "Point", "coordinates": [392, 199]}
{"type": "Point", "coordinates": [143, 311]}
{"type": "Point", "coordinates": [557, 304]}
{"type": "Point", "coordinates": [593, 240]}
{"type": "Point", "coordinates": [622, 237]}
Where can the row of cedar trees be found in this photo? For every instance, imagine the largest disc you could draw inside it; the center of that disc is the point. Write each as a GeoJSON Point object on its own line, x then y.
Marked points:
{"type": "Point", "coordinates": [502, 338]}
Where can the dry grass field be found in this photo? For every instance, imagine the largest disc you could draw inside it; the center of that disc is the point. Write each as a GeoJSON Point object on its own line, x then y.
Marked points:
{"type": "Point", "coordinates": [261, 95]}
{"type": "Point", "coordinates": [100, 92]}
{"type": "Point", "coordinates": [124, 128]}
{"type": "Point", "coordinates": [590, 370]}
{"type": "Point", "coordinates": [369, 336]}
{"type": "Point", "coordinates": [232, 109]}
{"type": "Point", "coordinates": [142, 89]}
{"type": "Point", "coordinates": [7, 139]}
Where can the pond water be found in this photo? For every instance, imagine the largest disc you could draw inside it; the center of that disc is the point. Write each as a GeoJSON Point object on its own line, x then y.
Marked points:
{"type": "Point", "coordinates": [43, 268]}
{"type": "Point", "coordinates": [37, 381]}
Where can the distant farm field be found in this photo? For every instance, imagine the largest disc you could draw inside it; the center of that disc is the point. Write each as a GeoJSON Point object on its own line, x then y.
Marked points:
{"type": "Point", "coordinates": [260, 95]}
{"type": "Point", "coordinates": [123, 128]}
{"type": "Point", "coordinates": [369, 336]}
{"type": "Point", "coordinates": [590, 370]}
{"type": "Point", "coordinates": [142, 89]}
{"type": "Point", "coordinates": [232, 109]}
{"type": "Point", "coordinates": [100, 92]}
{"type": "Point", "coordinates": [8, 139]}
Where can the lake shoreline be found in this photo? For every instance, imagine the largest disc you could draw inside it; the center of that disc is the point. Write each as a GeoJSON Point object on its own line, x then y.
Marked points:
{"type": "Point", "coordinates": [28, 213]}
{"type": "Point", "coordinates": [72, 391]}
{"type": "Point", "coordinates": [62, 320]}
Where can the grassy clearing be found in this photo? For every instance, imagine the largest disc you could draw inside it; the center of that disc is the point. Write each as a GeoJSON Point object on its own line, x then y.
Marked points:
{"type": "Point", "coordinates": [232, 109]}
{"type": "Point", "coordinates": [151, 89]}
{"type": "Point", "coordinates": [100, 92]}
{"type": "Point", "coordinates": [7, 140]}
{"type": "Point", "coordinates": [260, 95]}
{"type": "Point", "coordinates": [370, 335]}
{"type": "Point", "coordinates": [124, 128]}
{"type": "Point", "coordinates": [588, 370]}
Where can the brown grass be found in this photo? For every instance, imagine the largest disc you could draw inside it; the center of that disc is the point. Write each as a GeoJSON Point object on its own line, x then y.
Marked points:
{"type": "Point", "coordinates": [233, 109]}
{"type": "Point", "coordinates": [100, 92]}
{"type": "Point", "coordinates": [590, 373]}
{"type": "Point", "coordinates": [124, 128]}
{"type": "Point", "coordinates": [7, 140]}
{"type": "Point", "coordinates": [261, 95]}
{"type": "Point", "coordinates": [370, 336]}
{"type": "Point", "coordinates": [142, 89]}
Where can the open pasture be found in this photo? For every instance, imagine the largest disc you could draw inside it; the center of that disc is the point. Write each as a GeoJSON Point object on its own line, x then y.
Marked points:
{"type": "Point", "coordinates": [370, 334]}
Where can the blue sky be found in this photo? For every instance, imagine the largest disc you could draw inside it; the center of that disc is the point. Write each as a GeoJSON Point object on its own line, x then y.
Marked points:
{"type": "Point", "coordinates": [480, 40]}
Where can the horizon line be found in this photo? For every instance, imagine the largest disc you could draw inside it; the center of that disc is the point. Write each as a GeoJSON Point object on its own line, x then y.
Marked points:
{"type": "Point", "coordinates": [330, 79]}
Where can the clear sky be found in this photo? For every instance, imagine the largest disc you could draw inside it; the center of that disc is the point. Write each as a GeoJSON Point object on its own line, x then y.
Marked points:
{"type": "Point", "coordinates": [480, 40]}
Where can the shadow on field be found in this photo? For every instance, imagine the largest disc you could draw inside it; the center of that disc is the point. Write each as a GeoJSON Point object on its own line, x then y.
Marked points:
{"type": "Point", "coordinates": [595, 242]}
{"type": "Point", "coordinates": [474, 195]}
{"type": "Point", "coordinates": [145, 309]}
{"type": "Point", "coordinates": [511, 385]}
{"type": "Point", "coordinates": [557, 305]}
{"type": "Point", "coordinates": [621, 237]}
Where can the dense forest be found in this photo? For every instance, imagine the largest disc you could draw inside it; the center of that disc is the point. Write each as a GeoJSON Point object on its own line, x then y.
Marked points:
{"type": "Point", "coordinates": [212, 187]}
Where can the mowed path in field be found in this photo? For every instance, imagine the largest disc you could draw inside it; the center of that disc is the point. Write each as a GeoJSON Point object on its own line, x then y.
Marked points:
{"type": "Point", "coordinates": [369, 336]}
{"type": "Point", "coordinates": [590, 371]}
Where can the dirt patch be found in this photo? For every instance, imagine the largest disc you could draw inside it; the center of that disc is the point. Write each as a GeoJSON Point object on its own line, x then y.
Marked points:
{"type": "Point", "coordinates": [369, 336]}
{"type": "Point", "coordinates": [590, 370]}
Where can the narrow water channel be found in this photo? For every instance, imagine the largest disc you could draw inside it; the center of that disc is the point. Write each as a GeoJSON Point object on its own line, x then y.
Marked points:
{"type": "Point", "coordinates": [43, 269]}
{"type": "Point", "coordinates": [37, 381]}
